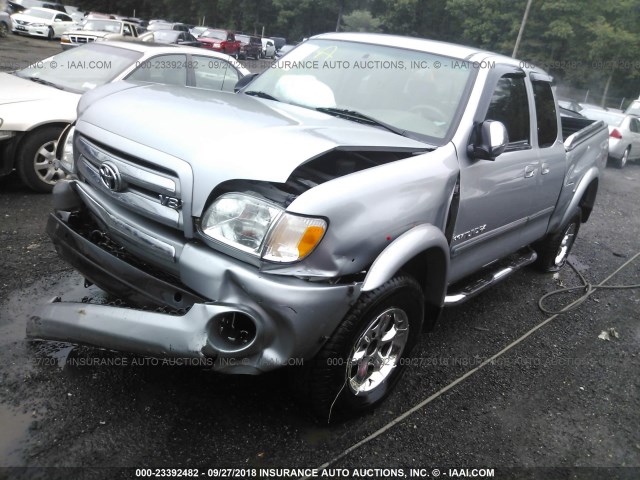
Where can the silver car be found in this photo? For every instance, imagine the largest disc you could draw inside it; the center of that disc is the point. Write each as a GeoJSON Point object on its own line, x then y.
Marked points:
{"type": "Point", "coordinates": [624, 134]}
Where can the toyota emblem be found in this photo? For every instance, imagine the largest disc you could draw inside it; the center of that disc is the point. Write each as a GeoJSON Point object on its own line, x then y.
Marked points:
{"type": "Point", "coordinates": [110, 176]}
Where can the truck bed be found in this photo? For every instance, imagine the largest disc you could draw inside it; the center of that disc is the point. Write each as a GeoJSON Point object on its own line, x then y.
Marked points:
{"type": "Point", "coordinates": [576, 130]}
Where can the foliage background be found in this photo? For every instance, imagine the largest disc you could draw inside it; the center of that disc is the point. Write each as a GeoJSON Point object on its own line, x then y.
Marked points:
{"type": "Point", "coordinates": [591, 47]}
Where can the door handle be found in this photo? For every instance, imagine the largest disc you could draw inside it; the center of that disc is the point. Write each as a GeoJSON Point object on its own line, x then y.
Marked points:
{"type": "Point", "coordinates": [545, 169]}
{"type": "Point", "coordinates": [530, 171]}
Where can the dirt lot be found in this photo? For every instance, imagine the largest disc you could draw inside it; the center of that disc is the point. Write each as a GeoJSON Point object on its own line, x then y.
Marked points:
{"type": "Point", "coordinates": [562, 397]}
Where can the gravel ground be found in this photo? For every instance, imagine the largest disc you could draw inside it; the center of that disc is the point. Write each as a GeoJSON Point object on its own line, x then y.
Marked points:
{"type": "Point", "coordinates": [562, 397]}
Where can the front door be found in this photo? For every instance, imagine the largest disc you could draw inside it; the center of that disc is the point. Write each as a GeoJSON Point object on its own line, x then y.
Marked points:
{"type": "Point", "coordinates": [495, 195]}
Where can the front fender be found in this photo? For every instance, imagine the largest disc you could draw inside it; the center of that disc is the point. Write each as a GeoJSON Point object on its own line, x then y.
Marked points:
{"type": "Point", "coordinates": [404, 249]}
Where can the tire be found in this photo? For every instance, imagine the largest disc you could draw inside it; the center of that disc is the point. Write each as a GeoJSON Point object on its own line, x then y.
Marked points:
{"type": "Point", "coordinates": [51, 34]}
{"type": "Point", "coordinates": [335, 381]}
{"type": "Point", "coordinates": [554, 249]}
{"type": "Point", "coordinates": [35, 159]}
{"type": "Point", "coordinates": [622, 161]}
{"type": "Point", "coordinates": [4, 30]}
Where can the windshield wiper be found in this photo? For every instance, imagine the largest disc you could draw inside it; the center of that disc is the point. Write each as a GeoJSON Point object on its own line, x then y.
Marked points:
{"type": "Point", "coordinates": [45, 82]}
{"type": "Point", "coordinates": [360, 117]}
{"type": "Point", "coordinates": [256, 93]}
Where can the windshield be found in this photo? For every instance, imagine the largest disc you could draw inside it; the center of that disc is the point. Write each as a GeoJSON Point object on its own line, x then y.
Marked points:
{"type": "Point", "coordinates": [34, 12]}
{"type": "Point", "coordinates": [634, 109]}
{"type": "Point", "coordinates": [160, 26]}
{"type": "Point", "coordinates": [166, 36]}
{"type": "Point", "coordinates": [102, 26]}
{"type": "Point", "coordinates": [216, 34]}
{"type": "Point", "coordinates": [83, 68]}
{"type": "Point", "coordinates": [613, 119]}
{"type": "Point", "coordinates": [413, 91]}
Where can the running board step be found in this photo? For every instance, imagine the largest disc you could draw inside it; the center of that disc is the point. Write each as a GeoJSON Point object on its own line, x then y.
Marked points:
{"type": "Point", "coordinates": [471, 286]}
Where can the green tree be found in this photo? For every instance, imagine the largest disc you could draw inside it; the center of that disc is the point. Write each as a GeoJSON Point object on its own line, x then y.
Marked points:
{"type": "Point", "coordinates": [361, 21]}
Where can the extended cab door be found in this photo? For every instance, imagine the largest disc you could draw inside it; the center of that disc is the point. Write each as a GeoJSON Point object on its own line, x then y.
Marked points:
{"type": "Point", "coordinates": [551, 159]}
{"type": "Point", "coordinates": [495, 195]}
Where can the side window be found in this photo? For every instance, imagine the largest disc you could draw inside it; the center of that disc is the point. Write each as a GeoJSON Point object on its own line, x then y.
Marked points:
{"type": "Point", "coordinates": [545, 113]}
{"type": "Point", "coordinates": [126, 29]}
{"type": "Point", "coordinates": [169, 69]}
{"type": "Point", "coordinates": [634, 125]}
{"type": "Point", "coordinates": [214, 74]}
{"type": "Point", "coordinates": [510, 106]}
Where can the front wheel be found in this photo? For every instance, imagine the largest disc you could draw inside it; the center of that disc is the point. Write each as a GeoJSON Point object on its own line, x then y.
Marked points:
{"type": "Point", "coordinates": [554, 249]}
{"type": "Point", "coordinates": [4, 30]}
{"type": "Point", "coordinates": [35, 159]}
{"type": "Point", "coordinates": [50, 34]}
{"type": "Point", "coordinates": [365, 357]}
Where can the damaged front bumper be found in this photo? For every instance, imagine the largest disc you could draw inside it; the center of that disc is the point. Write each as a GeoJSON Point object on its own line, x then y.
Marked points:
{"type": "Point", "coordinates": [248, 321]}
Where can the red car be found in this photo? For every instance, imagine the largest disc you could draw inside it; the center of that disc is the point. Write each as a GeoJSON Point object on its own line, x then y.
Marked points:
{"type": "Point", "coordinates": [221, 41]}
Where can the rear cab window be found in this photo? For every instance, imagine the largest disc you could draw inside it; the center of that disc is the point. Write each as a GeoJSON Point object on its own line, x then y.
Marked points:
{"type": "Point", "coordinates": [546, 115]}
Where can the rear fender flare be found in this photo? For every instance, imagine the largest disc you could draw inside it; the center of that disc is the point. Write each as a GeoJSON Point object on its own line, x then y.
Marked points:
{"type": "Point", "coordinates": [587, 179]}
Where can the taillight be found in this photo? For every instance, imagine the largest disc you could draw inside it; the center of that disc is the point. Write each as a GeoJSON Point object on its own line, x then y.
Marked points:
{"type": "Point", "coordinates": [615, 134]}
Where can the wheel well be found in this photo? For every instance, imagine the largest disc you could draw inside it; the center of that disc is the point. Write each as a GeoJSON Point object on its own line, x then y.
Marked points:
{"type": "Point", "coordinates": [9, 160]}
{"type": "Point", "coordinates": [588, 200]}
{"type": "Point", "coordinates": [37, 129]}
{"type": "Point", "coordinates": [429, 268]}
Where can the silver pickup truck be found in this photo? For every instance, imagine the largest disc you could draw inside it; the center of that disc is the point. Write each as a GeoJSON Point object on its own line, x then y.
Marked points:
{"type": "Point", "coordinates": [323, 215]}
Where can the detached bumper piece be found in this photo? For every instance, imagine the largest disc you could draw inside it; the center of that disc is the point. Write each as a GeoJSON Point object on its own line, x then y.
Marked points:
{"type": "Point", "coordinates": [101, 265]}
{"type": "Point", "coordinates": [146, 333]}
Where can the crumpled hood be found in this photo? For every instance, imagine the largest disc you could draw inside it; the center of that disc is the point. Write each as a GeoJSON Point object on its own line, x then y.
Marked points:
{"type": "Point", "coordinates": [14, 89]}
{"type": "Point", "coordinates": [225, 136]}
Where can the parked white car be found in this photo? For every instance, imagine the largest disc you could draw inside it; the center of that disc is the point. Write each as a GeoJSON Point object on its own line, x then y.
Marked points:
{"type": "Point", "coordinates": [268, 48]}
{"type": "Point", "coordinates": [41, 22]}
{"type": "Point", "coordinates": [624, 134]}
{"type": "Point", "coordinates": [39, 102]}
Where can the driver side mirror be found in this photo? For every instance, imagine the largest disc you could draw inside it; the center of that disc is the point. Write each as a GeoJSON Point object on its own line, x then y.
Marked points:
{"type": "Point", "coordinates": [491, 139]}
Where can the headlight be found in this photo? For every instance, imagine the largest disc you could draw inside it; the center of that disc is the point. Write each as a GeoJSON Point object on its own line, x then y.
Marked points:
{"type": "Point", "coordinates": [262, 228]}
{"type": "Point", "coordinates": [64, 154]}
{"type": "Point", "coordinates": [65, 38]}
{"type": "Point", "coordinates": [240, 220]}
